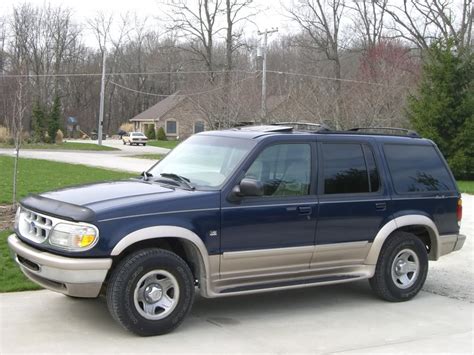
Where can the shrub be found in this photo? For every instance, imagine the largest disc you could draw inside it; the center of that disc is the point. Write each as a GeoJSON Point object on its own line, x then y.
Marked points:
{"type": "Point", "coordinates": [127, 127]}
{"type": "Point", "coordinates": [59, 137]}
{"type": "Point", "coordinates": [150, 133]}
{"type": "Point", "coordinates": [4, 134]}
{"type": "Point", "coordinates": [161, 134]}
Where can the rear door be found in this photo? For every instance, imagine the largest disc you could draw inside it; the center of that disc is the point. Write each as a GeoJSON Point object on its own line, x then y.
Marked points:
{"type": "Point", "coordinates": [354, 202]}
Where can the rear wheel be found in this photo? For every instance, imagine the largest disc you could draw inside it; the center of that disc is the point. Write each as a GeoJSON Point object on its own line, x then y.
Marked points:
{"type": "Point", "coordinates": [150, 292]}
{"type": "Point", "coordinates": [401, 269]}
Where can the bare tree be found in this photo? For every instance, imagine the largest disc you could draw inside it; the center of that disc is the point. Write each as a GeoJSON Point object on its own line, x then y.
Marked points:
{"type": "Point", "coordinates": [320, 20]}
{"type": "Point", "coordinates": [199, 25]}
{"type": "Point", "coordinates": [422, 21]}
{"type": "Point", "coordinates": [369, 20]}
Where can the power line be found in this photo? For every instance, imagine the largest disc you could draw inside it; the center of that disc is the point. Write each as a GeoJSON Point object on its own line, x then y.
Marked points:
{"type": "Point", "coordinates": [201, 72]}
{"type": "Point", "coordinates": [123, 74]}
{"type": "Point", "coordinates": [190, 94]}
{"type": "Point", "coordinates": [336, 79]}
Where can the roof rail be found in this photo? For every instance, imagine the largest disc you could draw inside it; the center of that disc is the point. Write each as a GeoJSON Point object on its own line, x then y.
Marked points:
{"type": "Point", "coordinates": [263, 128]}
{"type": "Point", "coordinates": [408, 132]}
{"type": "Point", "coordinates": [304, 126]}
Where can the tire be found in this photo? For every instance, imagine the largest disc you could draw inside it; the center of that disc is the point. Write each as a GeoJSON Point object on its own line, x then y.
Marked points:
{"type": "Point", "coordinates": [394, 279]}
{"type": "Point", "coordinates": [138, 281]}
{"type": "Point", "coordinates": [124, 142]}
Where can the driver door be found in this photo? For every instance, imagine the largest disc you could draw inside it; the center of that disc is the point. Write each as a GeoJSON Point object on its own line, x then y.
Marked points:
{"type": "Point", "coordinates": [273, 233]}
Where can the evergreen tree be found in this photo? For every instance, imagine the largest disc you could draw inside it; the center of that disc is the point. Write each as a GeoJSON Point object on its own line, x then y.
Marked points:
{"type": "Point", "coordinates": [443, 108]}
{"type": "Point", "coordinates": [161, 134]}
{"type": "Point", "coordinates": [54, 119]}
{"type": "Point", "coordinates": [38, 122]}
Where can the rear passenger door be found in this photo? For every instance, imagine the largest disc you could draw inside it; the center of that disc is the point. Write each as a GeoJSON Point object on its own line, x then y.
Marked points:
{"type": "Point", "coordinates": [353, 200]}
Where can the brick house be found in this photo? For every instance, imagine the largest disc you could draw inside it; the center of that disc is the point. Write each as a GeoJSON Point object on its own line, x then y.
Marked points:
{"type": "Point", "coordinates": [179, 116]}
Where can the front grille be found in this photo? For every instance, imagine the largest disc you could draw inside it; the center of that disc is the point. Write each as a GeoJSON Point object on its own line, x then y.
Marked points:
{"type": "Point", "coordinates": [34, 226]}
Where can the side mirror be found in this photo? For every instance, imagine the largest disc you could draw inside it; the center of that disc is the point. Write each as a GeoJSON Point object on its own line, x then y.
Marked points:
{"type": "Point", "coordinates": [247, 187]}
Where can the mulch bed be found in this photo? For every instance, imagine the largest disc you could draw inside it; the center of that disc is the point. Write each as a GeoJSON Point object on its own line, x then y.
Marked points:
{"type": "Point", "coordinates": [7, 215]}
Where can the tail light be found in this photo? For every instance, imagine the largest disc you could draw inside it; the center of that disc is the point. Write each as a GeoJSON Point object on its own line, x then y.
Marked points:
{"type": "Point", "coordinates": [459, 210]}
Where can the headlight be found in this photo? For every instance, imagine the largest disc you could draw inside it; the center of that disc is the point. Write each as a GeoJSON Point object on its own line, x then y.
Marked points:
{"type": "Point", "coordinates": [73, 237]}
{"type": "Point", "coordinates": [17, 217]}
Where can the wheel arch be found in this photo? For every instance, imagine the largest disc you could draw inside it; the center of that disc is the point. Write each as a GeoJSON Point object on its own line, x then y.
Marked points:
{"type": "Point", "coordinates": [422, 226]}
{"type": "Point", "coordinates": [182, 241]}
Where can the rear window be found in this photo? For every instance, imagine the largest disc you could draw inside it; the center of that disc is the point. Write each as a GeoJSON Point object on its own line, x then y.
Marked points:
{"type": "Point", "coordinates": [349, 168]}
{"type": "Point", "coordinates": [417, 168]}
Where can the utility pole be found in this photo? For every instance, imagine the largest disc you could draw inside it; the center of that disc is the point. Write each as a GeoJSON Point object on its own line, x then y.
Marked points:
{"type": "Point", "coordinates": [264, 71]}
{"type": "Point", "coordinates": [102, 97]}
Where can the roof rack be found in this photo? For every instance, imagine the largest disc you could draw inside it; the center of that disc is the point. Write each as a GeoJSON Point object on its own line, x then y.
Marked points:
{"type": "Point", "coordinates": [269, 128]}
{"type": "Point", "coordinates": [408, 132]}
{"type": "Point", "coordinates": [304, 126]}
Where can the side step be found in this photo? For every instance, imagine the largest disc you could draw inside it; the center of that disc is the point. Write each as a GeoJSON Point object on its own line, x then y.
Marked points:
{"type": "Point", "coordinates": [281, 284]}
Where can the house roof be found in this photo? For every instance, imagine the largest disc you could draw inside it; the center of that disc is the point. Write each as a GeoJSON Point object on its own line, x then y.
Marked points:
{"type": "Point", "coordinates": [160, 109]}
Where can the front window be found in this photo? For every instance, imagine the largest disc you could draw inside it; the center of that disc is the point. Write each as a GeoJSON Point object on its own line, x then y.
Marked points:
{"type": "Point", "coordinates": [171, 127]}
{"type": "Point", "coordinates": [284, 170]}
{"type": "Point", "coordinates": [206, 161]}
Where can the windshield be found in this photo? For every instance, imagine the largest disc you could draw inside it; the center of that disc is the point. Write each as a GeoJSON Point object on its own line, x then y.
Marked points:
{"type": "Point", "coordinates": [138, 134]}
{"type": "Point", "coordinates": [205, 161]}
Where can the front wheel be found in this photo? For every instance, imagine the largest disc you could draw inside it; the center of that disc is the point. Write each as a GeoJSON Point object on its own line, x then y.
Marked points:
{"type": "Point", "coordinates": [150, 292]}
{"type": "Point", "coordinates": [401, 268]}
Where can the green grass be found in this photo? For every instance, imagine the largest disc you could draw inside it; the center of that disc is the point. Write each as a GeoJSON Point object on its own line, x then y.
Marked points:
{"type": "Point", "coordinates": [11, 278]}
{"type": "Point", "coordinates": [62, 146]}
{"type": "Point", "coordinates": [147, 156]}
{"type": "Point", "coordinates": [164, 144]}
{"type": "Point", "coordinates": [35, 176]}
{"type": "Point", "coordinates": [466, 186]}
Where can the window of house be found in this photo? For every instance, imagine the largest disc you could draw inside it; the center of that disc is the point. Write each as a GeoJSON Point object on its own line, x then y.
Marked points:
{"type": "Point", "coordinates": [171, 127]}
{"type": "Point", "coordinates": [198, 126]}
{"type": "Point", "coordinates": [417, 168]}
{"type": "Point", "coordinates": [284, 170]}
{"type": "Point", "coordinates": [349, 168]}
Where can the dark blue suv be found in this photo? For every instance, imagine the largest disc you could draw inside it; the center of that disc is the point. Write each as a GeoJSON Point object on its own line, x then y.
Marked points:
{"type": "Point", "coordinates": [246, 210]}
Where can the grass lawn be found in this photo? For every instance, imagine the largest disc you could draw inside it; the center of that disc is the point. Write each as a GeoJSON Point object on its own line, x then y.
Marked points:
{"type": "Point", "coordinates": [164, 144]}
{"type": "Point", "coordinates": [466, 186]}
{"type": "Point", "coordinates": [11, 278]}
{"type": "Point", "coordinates": [62, 146]}
{"type": "Point", "coordinates": [35, 176]}
{"type": "Point", "coordinates": [150, 156]}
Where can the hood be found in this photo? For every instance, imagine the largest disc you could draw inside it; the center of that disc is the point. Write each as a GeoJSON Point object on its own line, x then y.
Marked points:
{"type": "Point", "coordinates": [87, 195]}
{"type": "Point", "coordinates": [118, 199]}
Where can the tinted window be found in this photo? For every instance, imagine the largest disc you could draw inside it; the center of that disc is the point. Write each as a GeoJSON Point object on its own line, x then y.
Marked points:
{"type": "Point", "coordinates": [416, 168]}
{"type": "Point", "coordinates": [345, 169]}
{"type": "Point", "coordinates": [284, 170]}
{"type": "Point", "coordinates": [171, 127]}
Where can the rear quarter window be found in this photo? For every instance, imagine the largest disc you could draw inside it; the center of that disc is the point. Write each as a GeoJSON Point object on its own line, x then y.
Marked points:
{"type": "Point", "coordinates": [417, 168]}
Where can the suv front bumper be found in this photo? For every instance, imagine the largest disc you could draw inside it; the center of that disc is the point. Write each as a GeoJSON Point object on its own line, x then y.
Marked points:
{"type": "Point", "coordinates": [76, 277]}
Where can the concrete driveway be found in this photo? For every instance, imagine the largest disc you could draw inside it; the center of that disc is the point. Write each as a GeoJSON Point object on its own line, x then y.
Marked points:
{"type": "Point", "coordinates": [333, 319]}
{"type": "Point", "coordinates": [115, 160]}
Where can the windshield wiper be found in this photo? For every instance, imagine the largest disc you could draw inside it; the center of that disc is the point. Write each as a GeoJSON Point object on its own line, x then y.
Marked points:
{"type": "Point", "coordinates": [146, 175]}
{"type": "Point", "coordinates": [183, 180]}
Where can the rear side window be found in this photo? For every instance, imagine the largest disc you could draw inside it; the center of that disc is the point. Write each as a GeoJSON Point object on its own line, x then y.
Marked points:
{"type": "Point", "coordinates": [417, 168]}
{"type": "Point", "coordinates": [349, 168]}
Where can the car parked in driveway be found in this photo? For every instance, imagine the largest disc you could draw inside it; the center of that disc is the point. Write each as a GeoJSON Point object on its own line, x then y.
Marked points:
{"type": "Point", "coordinates": [246, 210]}
{"type": "Point", "coordinates": [134, 138]}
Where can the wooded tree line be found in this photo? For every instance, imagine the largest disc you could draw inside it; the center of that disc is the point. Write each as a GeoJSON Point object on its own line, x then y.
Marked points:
{"type": "Point", "coordinates": [347, 63]}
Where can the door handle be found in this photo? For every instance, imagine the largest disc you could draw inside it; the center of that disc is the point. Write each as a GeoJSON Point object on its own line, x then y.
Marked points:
{"type": "Point", "coordinates": [381, 206]}
{"type": "Point", "coordinates": [305, 210]}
